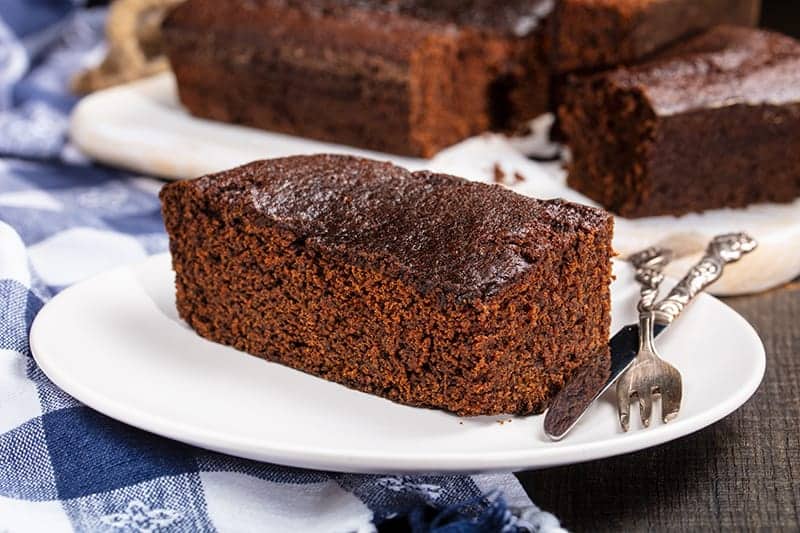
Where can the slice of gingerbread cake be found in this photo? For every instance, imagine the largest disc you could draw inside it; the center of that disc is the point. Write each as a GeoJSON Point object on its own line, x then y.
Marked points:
{"type": "Point", "coordinates": [426, 289]}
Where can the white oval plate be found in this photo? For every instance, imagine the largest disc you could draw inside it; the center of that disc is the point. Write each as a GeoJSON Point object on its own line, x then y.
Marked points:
{"type": "Point", "coordinates": [115, 342]}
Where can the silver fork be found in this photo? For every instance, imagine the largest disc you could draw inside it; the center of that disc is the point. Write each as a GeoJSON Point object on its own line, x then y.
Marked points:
{"type": "Point", "coordinates": [649, 375]}
{"type": "Point", "coordinates": [649, 265]}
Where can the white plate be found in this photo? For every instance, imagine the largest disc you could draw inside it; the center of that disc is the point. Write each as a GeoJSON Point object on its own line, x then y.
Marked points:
{"type": "Point", "coordinates": [142, 126]}
{"type": "Point", "coordinates": [115, 342]}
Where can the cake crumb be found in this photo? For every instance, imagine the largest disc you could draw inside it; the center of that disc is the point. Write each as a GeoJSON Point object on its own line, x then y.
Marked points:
{"type": "Point", "coordinates": [504, 178]}
{"type": "Point", "coordinates": [499, 176]}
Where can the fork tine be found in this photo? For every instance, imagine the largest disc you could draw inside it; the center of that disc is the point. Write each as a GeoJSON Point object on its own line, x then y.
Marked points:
{"type": "Point", "coordinates": [671, 401]}
{"type": "Point", "coordinates": [624, 404]}
{"type": "Point", "coordinates": [645, 405]}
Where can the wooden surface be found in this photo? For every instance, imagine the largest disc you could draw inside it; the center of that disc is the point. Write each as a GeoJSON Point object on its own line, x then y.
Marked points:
{"type": "Point", "coordinates": [741, 474]}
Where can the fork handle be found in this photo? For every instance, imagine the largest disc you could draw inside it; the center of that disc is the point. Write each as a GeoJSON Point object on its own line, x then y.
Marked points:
{"type": "Point", "coordinates": [649, 265]}
{"type": "Point", "coordinates": [722, 250]}
{"type": "Point", "coordinates": [654, 257]}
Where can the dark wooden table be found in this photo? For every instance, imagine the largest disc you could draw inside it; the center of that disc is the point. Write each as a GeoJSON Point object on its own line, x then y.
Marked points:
{"type": "Point", "coordinates": [741, 474]}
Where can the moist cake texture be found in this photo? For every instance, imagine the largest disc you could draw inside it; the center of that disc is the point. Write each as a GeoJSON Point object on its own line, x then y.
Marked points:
{"type": "Point", "coordinates": [713, 123]}
{"type": "Point", "coordinates": [403, 76]}
{"type": "Point", "coordinates": [422, 288]}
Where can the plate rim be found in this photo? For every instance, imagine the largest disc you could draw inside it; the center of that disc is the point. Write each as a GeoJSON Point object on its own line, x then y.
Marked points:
{"type": "Point", "coordinates": [372, 461]}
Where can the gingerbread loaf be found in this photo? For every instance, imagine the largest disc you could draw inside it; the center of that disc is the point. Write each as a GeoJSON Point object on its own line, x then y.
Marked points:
{"type": "Point", "coordinates": [712, 123]}
{"type": "Point", "coordinates": [422, 288]}
{"type": "Point", "coordinates": [402, 76]}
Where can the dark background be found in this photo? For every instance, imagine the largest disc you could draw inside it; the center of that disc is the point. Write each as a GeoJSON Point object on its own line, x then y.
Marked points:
{"type": "Point", "coordinates": [782, 15]}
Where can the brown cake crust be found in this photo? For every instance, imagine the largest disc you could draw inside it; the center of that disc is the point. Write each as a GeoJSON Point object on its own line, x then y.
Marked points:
{"type": "Point", "coordinates": [713, 123]}
{"type": "Point", "coordinates": [422, 288]}
{"type": "Point", "coordinates": [590, 34]}
{"type": "Point", "coordinates": [409, 77]}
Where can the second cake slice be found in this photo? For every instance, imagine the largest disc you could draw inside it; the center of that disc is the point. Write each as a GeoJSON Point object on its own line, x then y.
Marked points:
{"type": "Point", "coordinates": [423, 288]}
{"type": "Point", "coordinates": [712, 123]}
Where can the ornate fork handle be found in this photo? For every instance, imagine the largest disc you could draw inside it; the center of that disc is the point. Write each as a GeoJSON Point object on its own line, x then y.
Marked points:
{"type": "Point", "coordinates": [654, 257]}
{"type": "Point", "coordinates": [722, 250]}
{"type": "Point", "coordinates": [649, 265]}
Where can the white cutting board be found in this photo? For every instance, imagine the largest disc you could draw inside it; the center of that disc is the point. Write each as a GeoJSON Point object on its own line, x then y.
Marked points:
{"type": "Point", "coordinates": [141, 126]}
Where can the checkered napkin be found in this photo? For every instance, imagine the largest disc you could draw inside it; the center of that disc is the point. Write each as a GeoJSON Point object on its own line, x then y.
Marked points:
{"type": "Point", "coordinates": [66, 467]}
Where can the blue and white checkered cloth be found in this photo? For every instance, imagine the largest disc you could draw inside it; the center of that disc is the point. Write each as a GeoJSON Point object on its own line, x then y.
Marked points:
{"type": "Point", "coordinates": [66, 467]}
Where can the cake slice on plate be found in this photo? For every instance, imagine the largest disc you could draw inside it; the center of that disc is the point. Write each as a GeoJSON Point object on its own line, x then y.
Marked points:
{"type": "Point", "coordinates": [422, 288]}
